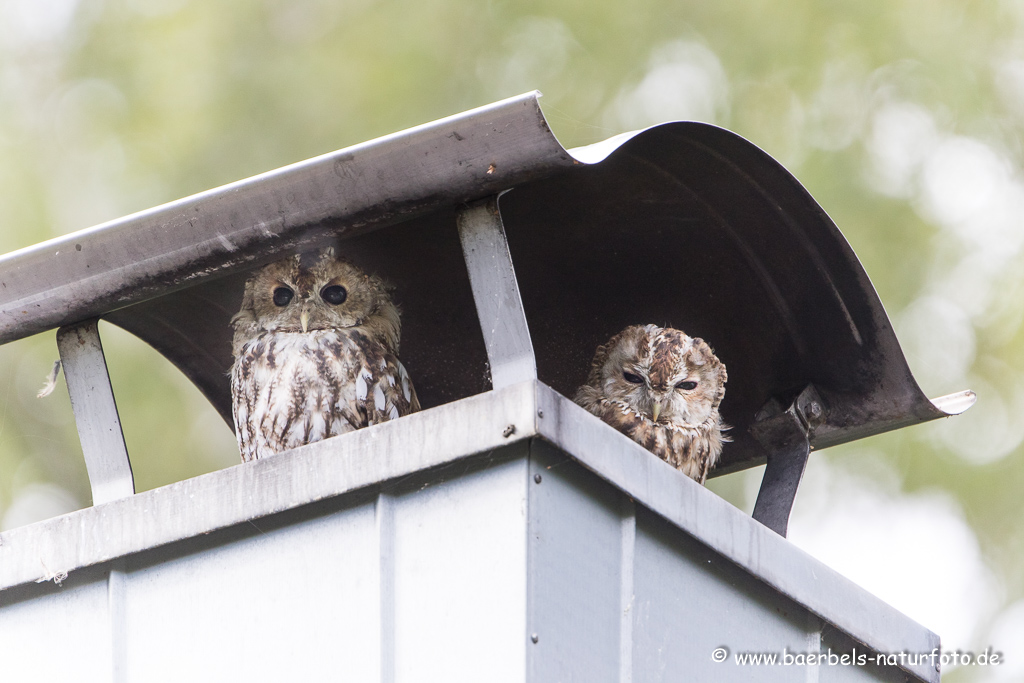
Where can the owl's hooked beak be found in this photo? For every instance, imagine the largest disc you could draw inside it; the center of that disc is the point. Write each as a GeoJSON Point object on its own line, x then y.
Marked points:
{"type": "Point", "coordinates": [656, 411]}
{"type": "Point", "coordinates": [304, 320]}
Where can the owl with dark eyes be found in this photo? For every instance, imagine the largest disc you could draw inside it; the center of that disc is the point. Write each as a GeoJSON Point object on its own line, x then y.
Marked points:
{"type": "Point", "coordinates": [661, 388]}
{"type": "Point", "coordinates": [316, 355]}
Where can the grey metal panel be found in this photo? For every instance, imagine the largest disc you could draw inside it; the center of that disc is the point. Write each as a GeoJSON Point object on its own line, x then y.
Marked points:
{"type": "Point", "coordinates": [690, 600]}
{"type": "Point", "coordinates": [238, 494]}
{"type": "Point", "coordinates": [575, 578]}
{"type": "Point", "coordinates": [92, 400]}
{"type": "Point", "coordinates": [498, 305]}
{"type": "Point", "coordinates": [460, 577]}
{"type": "Point", "coordinates": [154, 252]}
{"type": "Point", "coordinates": [586, 521]}
{"type": "Point", "coordinates": [728, 531]}
{"type": "Point", "coordinates": [297, 602]}
{"type": "Point", "coordinates": [62, 636]}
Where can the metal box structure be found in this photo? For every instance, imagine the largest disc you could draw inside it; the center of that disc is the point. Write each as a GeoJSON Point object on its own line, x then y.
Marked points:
{"type": "Point", "coordinates": [502, 533]}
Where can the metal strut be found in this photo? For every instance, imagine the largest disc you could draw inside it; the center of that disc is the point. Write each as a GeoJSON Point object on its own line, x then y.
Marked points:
{"type": "Point", "coordinates": [785, 434]}
{"type": "Point", "coordinates": [496, 293]}
{"type": "Point", "coordinates": [92, 400]}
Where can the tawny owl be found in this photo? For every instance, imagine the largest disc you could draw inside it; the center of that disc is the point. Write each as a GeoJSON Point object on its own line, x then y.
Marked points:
{"type": "Point", "coordinates": [662, 388]}
{"type": "Point", "coordinates": [316, 354]}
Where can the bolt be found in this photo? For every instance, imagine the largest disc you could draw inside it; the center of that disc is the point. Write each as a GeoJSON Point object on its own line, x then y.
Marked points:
{"type": "Point", "coordinates": [814, 414]}
{"type": "Point", "coordinates": [537, 478]}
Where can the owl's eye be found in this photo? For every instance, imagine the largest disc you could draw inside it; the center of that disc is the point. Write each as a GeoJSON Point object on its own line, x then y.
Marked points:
{"type": "Point", "coordinates": [282, 296]}
{"type": "Point", "coordinates": [631, 378]}
{"type": "Point", "coordinates": [334, 294]}
{"type": "Point", "coordinates": [687, 386]}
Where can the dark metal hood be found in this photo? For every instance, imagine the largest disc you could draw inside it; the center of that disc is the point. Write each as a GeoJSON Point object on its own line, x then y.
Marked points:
{"type": "Point", "coordinates": [684, 224]}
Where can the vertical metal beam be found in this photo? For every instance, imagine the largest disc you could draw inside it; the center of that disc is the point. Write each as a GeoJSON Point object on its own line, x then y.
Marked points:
{"type": "Point", "coordinates": [627, 597]}
{"type": "Point", "coordinates": [786, 464]}
{"type": "Point", "coordinates": [814, 626]}
{"type": "Point", "coordinates": [785, 434]}
{"type": "Point", "coordinates": [92, 400]}
{"type": "Point", "coordinates": [496, 293]}
{"type": "Point", "coordinates": [384, 517]}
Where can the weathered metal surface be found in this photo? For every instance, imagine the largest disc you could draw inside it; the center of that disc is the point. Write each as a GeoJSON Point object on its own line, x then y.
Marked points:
{"type": "Point", "coordinates": [498, 305]}
{"type": "Point", "coordinates": [92, 400]}
{"type": "Point", "coordinates": [460, 575]}
{"type": "Point", "coordinates": [785, 435]}
{"type": "Point", "coordinates": [578, 520]}
{"type": "Point", "coordinates": [158, 251]}
{"type": "Point", "coordinates": [575, 569]}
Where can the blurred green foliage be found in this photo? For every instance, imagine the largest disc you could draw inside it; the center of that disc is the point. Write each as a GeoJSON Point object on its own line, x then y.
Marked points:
{"type": "Point", "coordinates": [109, 107]}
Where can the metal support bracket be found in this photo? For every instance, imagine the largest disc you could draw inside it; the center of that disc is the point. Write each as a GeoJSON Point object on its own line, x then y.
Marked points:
{"type": "Point", "coordinates": [496, 294]}
{"type": "Point", "coordinates": [785, 434]}
{"type": "Point", "coordinates": [92, 400]}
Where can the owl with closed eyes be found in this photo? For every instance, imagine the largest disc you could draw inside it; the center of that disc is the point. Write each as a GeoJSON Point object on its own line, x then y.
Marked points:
{"type": "Point", "coordinates": [316, 355]}
{"type": "Point", "coordinates": [661, 388]}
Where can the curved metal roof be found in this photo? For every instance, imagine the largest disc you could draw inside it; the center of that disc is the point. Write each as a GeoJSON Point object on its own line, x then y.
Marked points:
{"type": "Point", "coordinates": [684, 224]}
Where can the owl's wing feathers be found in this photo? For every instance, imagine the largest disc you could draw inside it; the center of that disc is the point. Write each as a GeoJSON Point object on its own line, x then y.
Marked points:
{"type": "Point", "coordinates": [382, 388]}
{"type": "Point", "coordinates": [693, 450]}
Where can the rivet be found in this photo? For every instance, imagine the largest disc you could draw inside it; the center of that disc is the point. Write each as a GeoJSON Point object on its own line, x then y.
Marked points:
{"type": "Point", "coordinates": [509, 431]}
{"type": "Point", "coordinates": [535, 638]}
{"type": "Point", "coordinates": [537, 478]}
{"type": "Point", "coordinates": [540, 413]}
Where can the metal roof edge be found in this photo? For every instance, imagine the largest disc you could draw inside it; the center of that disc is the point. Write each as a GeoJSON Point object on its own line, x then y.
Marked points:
{"type": "Point", "coordinates": [317, 471]}
{"type": "Point", "coordinates": [131, 259]}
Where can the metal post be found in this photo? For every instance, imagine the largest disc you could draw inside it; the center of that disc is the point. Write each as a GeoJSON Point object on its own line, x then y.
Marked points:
{"type": "Point", "coordinates": [384, 519]}
{"type": "Point", "coordinates": [785, 434]}
{"type": "Point", "coordinates": [116, 596]}
{"type": "Point", "coordinates": [496, 293]}
{"type": "Point", "coordinates": [92, 400]}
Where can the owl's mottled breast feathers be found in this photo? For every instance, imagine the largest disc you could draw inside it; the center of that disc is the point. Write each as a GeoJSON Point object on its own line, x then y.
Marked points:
{"type": "Point", "coordinates": [662, 388]}
{"type": "Point", "coordinates": [316, 355]}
